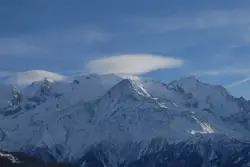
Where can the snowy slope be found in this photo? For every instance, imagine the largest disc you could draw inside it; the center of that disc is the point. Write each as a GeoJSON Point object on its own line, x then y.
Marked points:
{"type": "Point", "coordinates": [66, 118]}
{"type": "Point", "coordinates": [212, 98]}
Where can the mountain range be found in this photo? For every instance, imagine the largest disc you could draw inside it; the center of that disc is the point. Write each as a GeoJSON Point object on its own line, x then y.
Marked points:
{"type": "Point", "coordinates": [125, 121]}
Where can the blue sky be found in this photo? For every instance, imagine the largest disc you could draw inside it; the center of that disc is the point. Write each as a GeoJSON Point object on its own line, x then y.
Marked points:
{"type": "Point", "coordinates": [210, 37]}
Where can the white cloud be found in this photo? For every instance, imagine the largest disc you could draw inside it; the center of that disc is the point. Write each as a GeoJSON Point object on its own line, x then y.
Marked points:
{"type": "Point", "coordinates": [132, 64]}
{"type": "Point", "coordinates": [236, 71]}
{"type": "Point", "coordinates": [27, 77]}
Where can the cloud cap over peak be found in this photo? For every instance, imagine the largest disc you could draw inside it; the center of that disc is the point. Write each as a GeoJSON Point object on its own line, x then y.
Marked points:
{"type": "Point", "coordinates": [27, 77]}
{"type": "Point", "coordinates": [132, 64]}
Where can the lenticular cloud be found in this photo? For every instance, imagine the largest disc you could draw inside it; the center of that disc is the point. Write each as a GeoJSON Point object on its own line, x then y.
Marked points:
{"type": "Point", "coordinates": [132, 64]}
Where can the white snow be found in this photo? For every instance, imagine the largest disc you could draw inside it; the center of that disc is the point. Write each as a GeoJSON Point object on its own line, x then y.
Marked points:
{"type": "Point", "coordinates": [120, 108]}
{"type": "Point", "coordinates": [13, 159]}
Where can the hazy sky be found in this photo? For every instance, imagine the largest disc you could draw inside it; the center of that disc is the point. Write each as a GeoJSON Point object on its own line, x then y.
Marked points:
{"type": "Point", "coordinates": [162, 39]}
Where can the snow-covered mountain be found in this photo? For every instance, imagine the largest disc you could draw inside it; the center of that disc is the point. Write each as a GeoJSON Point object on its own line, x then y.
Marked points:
{"type": "Point", "coordinates": [118, 120]}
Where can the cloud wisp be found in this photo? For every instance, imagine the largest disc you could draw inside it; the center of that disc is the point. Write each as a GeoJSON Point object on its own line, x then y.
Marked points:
{"type": "Point", "coordinates": [235, 71]}
{"type": "Point", "coordinates": [27, 77]}
{"type": "Point", "coordinates": [203, 20]}
{"type": "Point", "coordinates": [242, 72]}
{"type": "Point", "coordinates": [18, 46]}
{"type": "Point", "coordinates": [238, 83]}
{"type": "Point", "coordinates": [47, 42]}
{"type": "Point", "coordinates": [4, 74]}
{"type": "Point", "coordinates": [132, 64]}
{"type": "Point", "coordinates": [85, 35]}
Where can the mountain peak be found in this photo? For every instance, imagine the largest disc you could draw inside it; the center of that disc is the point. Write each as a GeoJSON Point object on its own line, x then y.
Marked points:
{"type": "Point", "coordinates": [128, 87]}
{"type": "Point", "coordinates": [191, 83]}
